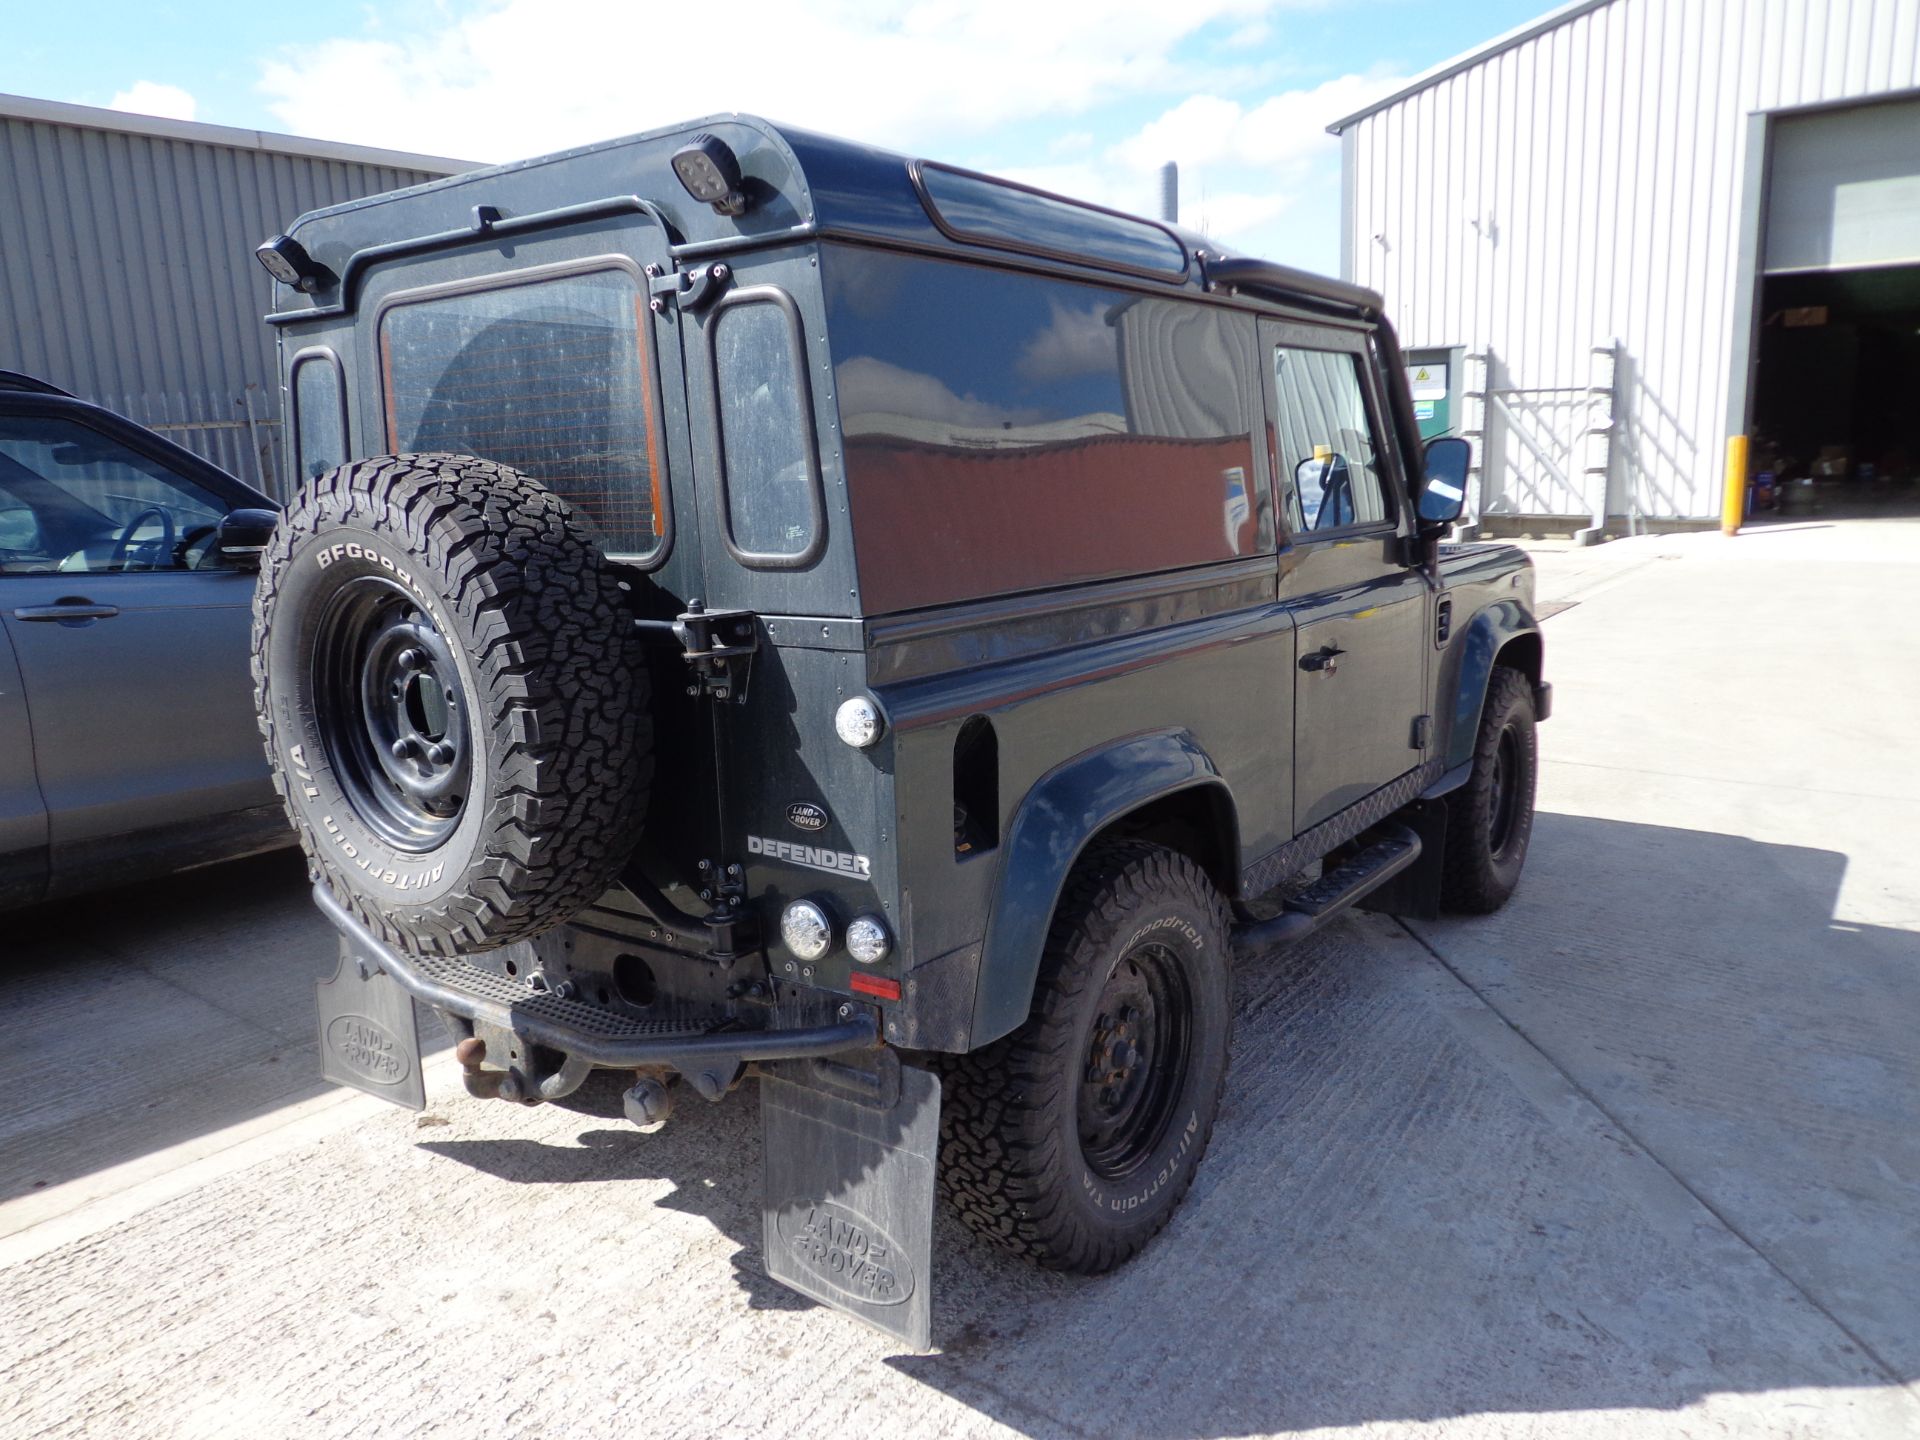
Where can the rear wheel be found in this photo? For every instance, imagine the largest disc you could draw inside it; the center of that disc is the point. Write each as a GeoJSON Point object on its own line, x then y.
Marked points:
{"type": "Point", "coordinates": [1073, 1140]}
{"type": "Point", "coordinates": [1490, 818]}
{"type": "Point", "coordinates": [452, 698]}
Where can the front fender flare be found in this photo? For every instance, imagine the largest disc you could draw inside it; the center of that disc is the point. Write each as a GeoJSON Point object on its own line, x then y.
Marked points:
{"type": "Point", "coordinates": [1066, 808]}
{"type": "Point", "coordinates": [1480, 644]}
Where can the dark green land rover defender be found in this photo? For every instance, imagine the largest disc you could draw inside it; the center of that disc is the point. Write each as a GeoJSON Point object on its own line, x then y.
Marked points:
{"type": "Point", "coordinates": [762, 608]}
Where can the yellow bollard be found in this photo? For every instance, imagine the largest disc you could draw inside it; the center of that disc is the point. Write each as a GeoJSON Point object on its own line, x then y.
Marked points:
{"type": "Point", "coordinates": [1733, 504]}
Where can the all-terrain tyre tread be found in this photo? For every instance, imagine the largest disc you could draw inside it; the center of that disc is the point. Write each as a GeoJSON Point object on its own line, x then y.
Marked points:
{"type": "Point", "coordinates": [1000, 1166]}
{"type": "Point", "coordinates": [566, 730]}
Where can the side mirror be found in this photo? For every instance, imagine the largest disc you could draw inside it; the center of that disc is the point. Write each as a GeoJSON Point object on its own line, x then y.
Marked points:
{"type": "Point", "coordinates": [1443, 488]}
{"type": "Point", "coordinates": [244, 535]}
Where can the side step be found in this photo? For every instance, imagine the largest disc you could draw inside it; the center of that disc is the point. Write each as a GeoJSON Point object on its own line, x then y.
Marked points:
{"type": "Point", "coordinates": [1393, 850]}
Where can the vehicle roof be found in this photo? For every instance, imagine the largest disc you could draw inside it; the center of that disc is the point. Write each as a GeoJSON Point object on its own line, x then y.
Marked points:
{"type": "Point", "coordinates": [15, 380]}
{"type": "Point", "coordinates": [802, 185]}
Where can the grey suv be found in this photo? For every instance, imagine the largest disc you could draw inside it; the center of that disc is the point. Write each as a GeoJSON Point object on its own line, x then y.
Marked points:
{"type": "Point", "coordinates": [126, 584]}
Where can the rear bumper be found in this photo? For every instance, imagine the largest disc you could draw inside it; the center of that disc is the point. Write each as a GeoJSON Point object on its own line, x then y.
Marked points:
{"type": "Point", "coordinates": [1542, 701]}
{"type": "Point", "coordinates": [584, 1033]}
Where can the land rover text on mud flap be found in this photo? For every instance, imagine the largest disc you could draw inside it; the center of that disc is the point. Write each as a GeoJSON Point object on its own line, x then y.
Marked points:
{"type": "Point", "coordinates": [760, 607]}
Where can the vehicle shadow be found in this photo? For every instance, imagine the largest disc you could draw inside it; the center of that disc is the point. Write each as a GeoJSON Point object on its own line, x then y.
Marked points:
{"type": "Point", "coordinates": [1412, 1212]}
{"type": "Point", "coordinates": [140, 1018]}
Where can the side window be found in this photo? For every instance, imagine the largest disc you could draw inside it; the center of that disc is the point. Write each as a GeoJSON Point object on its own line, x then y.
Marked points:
{"type": "Point", "coordinates": [775, 510]}
{"type": "Point", "coordinates": [1329, 465]}
{"type": "Point", "coordinates": [1006, 432]}
{"type": "Point", "coordinates": [552, 376]}
{"type": "Point", "coordinates": [75, 501]}
{"type": "Point", "coordinates": [319, 414]}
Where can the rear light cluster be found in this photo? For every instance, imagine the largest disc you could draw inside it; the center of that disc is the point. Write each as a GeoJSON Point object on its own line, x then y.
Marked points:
{"type": "Point", "coordinates": [807, 930]}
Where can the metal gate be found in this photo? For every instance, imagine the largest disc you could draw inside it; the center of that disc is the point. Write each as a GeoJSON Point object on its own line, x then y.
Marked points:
{"type": "Point", "coordinates": [1543, 451]}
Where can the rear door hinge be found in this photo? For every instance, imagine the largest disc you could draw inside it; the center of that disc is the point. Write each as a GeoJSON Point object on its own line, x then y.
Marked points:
{"type": "Point", "coordinates": [689, 288]}
{"type": "Point", "coordinates": [1422, 731]}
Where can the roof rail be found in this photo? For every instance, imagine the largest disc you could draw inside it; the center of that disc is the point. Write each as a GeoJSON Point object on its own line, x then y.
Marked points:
{"type": "Point", "coordinates": [1283, 282]}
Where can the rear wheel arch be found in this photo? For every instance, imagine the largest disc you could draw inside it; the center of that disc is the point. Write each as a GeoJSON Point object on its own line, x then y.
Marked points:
{"type": "Point", "coordinates": [1161, 787]}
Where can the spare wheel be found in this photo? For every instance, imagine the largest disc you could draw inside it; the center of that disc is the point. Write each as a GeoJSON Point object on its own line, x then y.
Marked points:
{"type": "Point", "coordinates": [454, 708]}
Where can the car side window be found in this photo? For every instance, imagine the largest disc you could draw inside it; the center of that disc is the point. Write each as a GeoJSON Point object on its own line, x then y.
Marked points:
{"type": "Point", "coordinates": [76, 501]}
{"type": "Point", "coordinates": [1329, 461]}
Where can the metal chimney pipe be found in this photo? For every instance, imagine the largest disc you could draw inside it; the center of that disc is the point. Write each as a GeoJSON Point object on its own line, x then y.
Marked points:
{"type": "Point", "coordinates": [1170, 192]}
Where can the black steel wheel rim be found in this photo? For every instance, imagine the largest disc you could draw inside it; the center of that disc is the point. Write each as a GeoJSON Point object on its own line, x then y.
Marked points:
{"type": "Point", "coordinates": [1505, 784]}
{"type": "Point", "coordinates": [392, 712]}
{"type": "Point", "coordinates": [1135, 1066]}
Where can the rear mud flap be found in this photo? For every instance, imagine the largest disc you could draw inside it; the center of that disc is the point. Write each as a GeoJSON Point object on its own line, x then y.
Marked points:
{"type": "Point", "coordinates": [850, 1147]}
{"type": "Point", "coordinates": [369, 1034]}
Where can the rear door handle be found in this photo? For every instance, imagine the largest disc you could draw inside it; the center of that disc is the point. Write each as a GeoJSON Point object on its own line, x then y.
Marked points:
{"type": "Point", "coordinates": [67, 610]}
{"type": "Point", "coordinates": [1327, 658]}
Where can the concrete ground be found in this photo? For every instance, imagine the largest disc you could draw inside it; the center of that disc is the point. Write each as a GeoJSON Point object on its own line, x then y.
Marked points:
{"type": "Point", "coordinates": [1637, 1156]}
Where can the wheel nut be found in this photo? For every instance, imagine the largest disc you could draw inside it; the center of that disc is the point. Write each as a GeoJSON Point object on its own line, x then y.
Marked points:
{"type": "Point", "coordinates": [409, 659]}
{"type": "Point", "coordinates": [441, 754]}
{"type": "Point", "coordinates": [401, 748]}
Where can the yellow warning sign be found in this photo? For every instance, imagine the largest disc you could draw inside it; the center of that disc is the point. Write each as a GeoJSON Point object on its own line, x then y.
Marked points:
{"type": "Point", "coordinates": [1428, 382]}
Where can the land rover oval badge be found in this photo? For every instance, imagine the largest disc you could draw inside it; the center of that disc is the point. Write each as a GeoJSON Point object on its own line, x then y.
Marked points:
{"type": "Point", "coordinates": [364, 1047]}
{"type": "Point", "coordinates": [845, 1252]}
{"type": "Point", "coordinates": [805, 815]}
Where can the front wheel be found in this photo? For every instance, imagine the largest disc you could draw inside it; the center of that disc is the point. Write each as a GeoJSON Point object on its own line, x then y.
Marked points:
{"type": "Point", "coordinates": [1073, 1140]}
{"type": "Point", "coordinates": [1490, 818]}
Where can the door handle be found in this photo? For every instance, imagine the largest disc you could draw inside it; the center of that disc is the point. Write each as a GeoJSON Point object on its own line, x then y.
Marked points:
{"type": "Point", "coordinates": [68, 610]}
{"type": "Point", "coordinates": [1326, 658]}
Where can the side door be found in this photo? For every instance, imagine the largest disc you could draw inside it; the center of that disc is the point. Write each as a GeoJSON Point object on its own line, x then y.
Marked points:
{"type": "Point", "coordinates": [23, 815]}
{"type": "Point", "coordinates": [131, 638]}
{"type": "Point", "coordinates": [1361, 612]}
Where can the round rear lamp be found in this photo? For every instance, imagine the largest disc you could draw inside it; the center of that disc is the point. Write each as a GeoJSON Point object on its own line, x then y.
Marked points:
{"type": "Point", "coordinates": [858, 722]}
{"type": "Point", "coordinates": [868, 940]}
{"type": "Point", "coordinates": [807, 931]}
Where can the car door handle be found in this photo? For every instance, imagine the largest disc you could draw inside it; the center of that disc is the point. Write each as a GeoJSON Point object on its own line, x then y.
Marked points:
{"type": "Point", "coordinates": [1326, 658]}
{"type": "Point", "coordinates": [67, 610]}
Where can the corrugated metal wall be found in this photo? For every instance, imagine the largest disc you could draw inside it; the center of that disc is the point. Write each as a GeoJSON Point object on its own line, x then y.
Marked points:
{"type": "Point", "coordinates": [127, 273]}
{"type": "Point", "coordinates": [1585, 186]}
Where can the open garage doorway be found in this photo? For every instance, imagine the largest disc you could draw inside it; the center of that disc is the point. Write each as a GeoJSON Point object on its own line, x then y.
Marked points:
{"type": "Point", "coordinates": [1835, 399]}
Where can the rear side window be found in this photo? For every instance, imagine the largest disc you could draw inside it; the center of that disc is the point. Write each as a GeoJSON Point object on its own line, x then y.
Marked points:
{"type": "Point", "coordinates": [319, 413]}
{"type": "Point", "coordinates": [768, 464]}
{"type": "Point", "coordinates": [1007, 432]}
{"type": "Point", "coordinates": [1329, 463]}
{"type": "Point", "coordinates": [552, 376]}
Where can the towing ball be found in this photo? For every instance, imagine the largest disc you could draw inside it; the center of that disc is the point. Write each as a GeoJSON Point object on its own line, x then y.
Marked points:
{"type": "Point", "coordinates": [647, 1104]}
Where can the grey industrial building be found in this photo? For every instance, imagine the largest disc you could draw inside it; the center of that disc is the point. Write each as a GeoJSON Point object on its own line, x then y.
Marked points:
{"type": "Point", "coordinates": [1644, 228]}
{"type": "Point", "coordinates": [126, 263]}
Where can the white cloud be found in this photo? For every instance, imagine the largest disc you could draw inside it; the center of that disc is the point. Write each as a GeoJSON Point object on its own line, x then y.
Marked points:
{"type": "Point", "coordinates": [965, 80]}
{"type": "Point", "coordinates": [1077, 341]}
{"type": "Point", "coordinates": [870, 387]}
{"type": "Point", "coordinates": [1263, 178]}
{"type": "Point", "coordinates": [149, 97]}
{"type": "Point", "coordinates": [507, 78]}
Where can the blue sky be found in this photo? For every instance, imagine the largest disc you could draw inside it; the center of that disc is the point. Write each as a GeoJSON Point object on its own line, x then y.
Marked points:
{"type": "Point", "coordinates": [1088, 98]}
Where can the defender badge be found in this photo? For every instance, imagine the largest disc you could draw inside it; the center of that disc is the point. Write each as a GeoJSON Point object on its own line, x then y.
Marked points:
{"type": "Point", "coordinates": [805, 815]}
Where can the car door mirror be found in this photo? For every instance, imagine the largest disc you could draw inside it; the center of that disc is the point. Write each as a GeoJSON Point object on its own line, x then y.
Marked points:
{"type": "Point", "coordinates": [1443, 485]}
{"type": "Point", "coordinates": [244, 535]}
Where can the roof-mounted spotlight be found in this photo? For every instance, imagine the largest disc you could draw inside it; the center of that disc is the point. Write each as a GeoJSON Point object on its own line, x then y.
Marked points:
{"type": "Point", "coordinates": [710, 171]}
{"type": "Point", "coordinates": [286, 260]}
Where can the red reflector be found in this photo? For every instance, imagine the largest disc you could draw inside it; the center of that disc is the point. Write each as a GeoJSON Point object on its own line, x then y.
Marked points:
{"type": "Point", "coordinates": [864, 984]}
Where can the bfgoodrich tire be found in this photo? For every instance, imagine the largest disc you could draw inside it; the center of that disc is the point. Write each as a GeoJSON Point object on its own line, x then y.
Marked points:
{"type": "Point", "coordinates": [454, 708]}
{"type": "Point", "coordinates": [1490, 818]}
{"type": "Point", "coordinates": [1073, 1140]}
